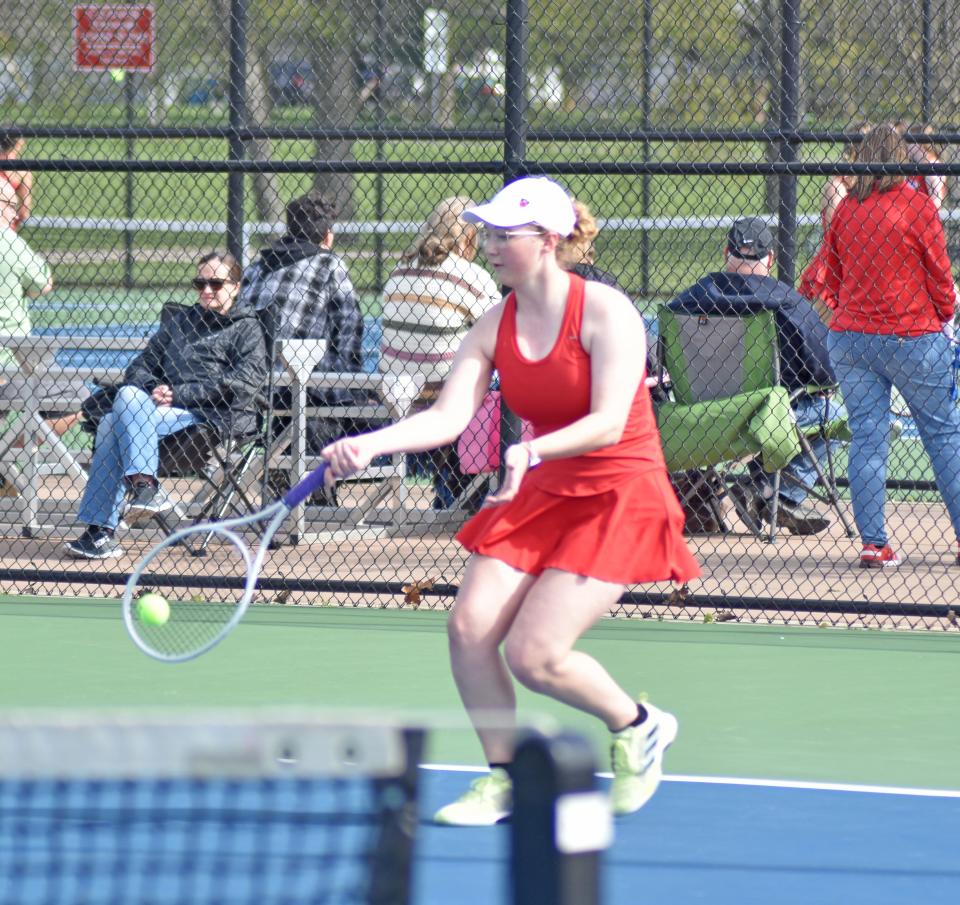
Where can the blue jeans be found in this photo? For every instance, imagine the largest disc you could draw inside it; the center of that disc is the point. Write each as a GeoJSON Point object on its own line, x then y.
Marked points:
{"type": "Point", "coordinates": [810, 411]}
{"type": "Point", "coordinates": [868, 366]}
{"type": "Point", "coordinates": [128, 443]}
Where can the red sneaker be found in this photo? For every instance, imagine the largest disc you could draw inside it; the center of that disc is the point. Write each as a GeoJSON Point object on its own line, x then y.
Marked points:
{"type": "Point", "coordinates": [874, 557]}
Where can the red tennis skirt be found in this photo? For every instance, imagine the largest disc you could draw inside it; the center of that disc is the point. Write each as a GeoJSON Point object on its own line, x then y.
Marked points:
{"type": "Point", "coordinates": [630, 534]}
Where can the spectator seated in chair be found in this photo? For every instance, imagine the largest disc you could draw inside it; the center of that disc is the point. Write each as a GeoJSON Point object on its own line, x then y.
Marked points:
{"type": "Point", "coordinates": [202, 366]}
{"type": "Point", "coordinates": [301, 289]}
{"type": "Point", "coordinates": [744, 286]}
{"type": "Point", "coordinates": [429, 303]}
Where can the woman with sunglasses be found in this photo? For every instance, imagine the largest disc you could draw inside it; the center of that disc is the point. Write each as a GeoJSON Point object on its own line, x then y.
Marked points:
{"type": "Point", "coordinates": [585, 508]}
{"type": "Point", "coordinates": [203, 365]}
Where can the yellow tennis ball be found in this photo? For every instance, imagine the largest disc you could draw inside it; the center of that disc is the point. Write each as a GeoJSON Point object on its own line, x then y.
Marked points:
{"type": "Point", "coordinates": [118, 75]}
{"type": "Point", "coordinates": [153, 609]}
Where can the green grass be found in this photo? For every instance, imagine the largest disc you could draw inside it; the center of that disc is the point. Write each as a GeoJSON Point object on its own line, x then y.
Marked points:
{"type": "Point", "coordinates": [676, 258]}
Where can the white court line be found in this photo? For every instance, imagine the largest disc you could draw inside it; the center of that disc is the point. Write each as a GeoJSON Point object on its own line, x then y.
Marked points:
{"type": "Point", "coordinates": [762, 783]}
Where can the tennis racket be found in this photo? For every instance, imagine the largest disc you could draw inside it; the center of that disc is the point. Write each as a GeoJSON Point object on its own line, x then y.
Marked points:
{"type": "Point", "coordinates": [183, 606]}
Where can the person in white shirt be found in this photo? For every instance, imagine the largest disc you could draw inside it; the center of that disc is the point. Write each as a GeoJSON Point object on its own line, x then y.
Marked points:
{"type": "Point", "coordinates": [430, 301]}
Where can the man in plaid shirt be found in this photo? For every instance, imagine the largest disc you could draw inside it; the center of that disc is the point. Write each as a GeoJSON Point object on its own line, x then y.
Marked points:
{"type": "Point", "coordinates": [305, 286]}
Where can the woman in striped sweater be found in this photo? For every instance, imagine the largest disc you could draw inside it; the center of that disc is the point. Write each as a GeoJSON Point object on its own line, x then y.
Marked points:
{"type": "Point", "coordinates": [429, 303]}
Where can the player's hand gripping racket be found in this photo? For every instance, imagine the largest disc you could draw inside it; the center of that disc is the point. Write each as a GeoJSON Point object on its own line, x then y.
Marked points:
{"type": "Point", "coordinates": [176, 611]}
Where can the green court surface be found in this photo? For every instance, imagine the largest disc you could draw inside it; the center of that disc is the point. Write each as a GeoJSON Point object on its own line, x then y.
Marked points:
{"type": "Point", "coordinates": [823, 705]}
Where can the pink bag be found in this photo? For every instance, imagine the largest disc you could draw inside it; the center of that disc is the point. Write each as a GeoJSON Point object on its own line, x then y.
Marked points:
{"type": "Point", "coordinates": [479, 445]}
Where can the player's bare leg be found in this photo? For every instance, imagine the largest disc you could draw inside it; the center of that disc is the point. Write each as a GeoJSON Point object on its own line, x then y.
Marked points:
{"type": "Point", "coordinates": [487, 604]}
{"type": "Point", "coordinates": [557, 609]}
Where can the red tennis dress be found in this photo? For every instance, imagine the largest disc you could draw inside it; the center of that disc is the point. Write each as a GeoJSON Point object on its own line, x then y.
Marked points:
{"type": "Point", "coordinates": [609, 514]}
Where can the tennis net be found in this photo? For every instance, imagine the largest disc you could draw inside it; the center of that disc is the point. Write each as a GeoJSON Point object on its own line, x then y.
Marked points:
{"type": "Point", "coordinates": [230, 809]}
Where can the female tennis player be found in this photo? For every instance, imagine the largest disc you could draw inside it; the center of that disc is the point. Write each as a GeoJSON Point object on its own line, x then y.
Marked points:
{"type": "Point", "coordinates": [585, 508]}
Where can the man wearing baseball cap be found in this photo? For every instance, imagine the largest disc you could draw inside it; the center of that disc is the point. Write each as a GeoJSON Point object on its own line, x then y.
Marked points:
{"type": "Point", "coordinates": [750, 239]}
{"type": "Point", "coordinates": [745, 286]}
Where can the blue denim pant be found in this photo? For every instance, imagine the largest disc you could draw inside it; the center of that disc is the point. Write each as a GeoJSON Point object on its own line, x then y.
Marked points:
{"type": "Point", "coordinates": [128, 443]}
{"type": "Point", "coordinates": [810, 411]}
{"type": "Point", "coordinates": [868, 366]}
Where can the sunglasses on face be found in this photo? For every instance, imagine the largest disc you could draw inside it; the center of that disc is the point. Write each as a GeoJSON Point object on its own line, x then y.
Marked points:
{"type": "Point", "coordinates": [199, 283]}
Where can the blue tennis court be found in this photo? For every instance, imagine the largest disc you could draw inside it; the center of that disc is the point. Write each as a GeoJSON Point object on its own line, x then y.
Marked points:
{"type": "Point", "coordinates": [729, 843]}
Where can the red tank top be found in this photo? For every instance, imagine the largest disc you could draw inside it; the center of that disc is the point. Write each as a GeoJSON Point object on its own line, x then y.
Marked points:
{"type": "Point", "coordinates": [555, 391]}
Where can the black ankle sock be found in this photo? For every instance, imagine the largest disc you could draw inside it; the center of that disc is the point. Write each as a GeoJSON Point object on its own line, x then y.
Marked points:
{"type": "Point", "coordinates": [502, 766]}
{"type": "Point", "coordinates": [641, 716]}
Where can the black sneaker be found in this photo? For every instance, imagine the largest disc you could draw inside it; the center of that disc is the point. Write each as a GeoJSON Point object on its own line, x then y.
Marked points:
{"type": "Point", "coordinates": [798, 518]}
{"type": "Point", "coordinates": [145, 502]}
{"type": "Point", "coordinates": [94, 544]}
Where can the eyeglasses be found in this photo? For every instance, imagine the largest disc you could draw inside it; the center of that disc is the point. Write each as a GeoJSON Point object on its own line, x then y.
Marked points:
{"type": "Point", "coordinates": [486, 236]}
{"type": "Point", "coordinates": [216, 285]}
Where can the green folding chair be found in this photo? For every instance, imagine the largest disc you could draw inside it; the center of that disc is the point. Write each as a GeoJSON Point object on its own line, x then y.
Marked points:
{"type": "Point", "coordinates": [728, 405]}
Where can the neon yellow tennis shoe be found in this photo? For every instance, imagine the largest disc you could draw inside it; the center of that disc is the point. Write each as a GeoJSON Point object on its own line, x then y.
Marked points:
{"type": "Point", "coordinates": [637, 756]}
{"type": "Point", "coordinates": [488, 801]}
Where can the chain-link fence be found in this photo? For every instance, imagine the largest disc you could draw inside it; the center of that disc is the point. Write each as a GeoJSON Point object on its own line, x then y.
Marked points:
{"type": "Point", "coordinates": [139, 139]}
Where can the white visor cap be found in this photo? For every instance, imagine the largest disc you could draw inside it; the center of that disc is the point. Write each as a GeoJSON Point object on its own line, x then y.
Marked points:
{"type": "Point", "coordinates": [533, 199]}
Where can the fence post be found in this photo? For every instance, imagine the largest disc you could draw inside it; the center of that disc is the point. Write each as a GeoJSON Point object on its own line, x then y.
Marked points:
{"type": "Point", "coordinates": [130, 99]}
{"type": "Point", "coordinates": [789, 122]}
{"type": "Point", "coordinates": [514, 150]}
{"type": "Point", "coordinates": [645, 145]}
{"type": "Point", "coordinates": [515, 91]}
{"type": "Point", "coordinates": [379, 210]}
{"type": "Point", "coordinates": [926, 47]}
{"type": "Point", "coordinates": [238, 120]}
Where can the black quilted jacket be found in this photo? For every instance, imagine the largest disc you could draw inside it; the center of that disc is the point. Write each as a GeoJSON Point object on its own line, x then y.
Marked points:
{"type": "Point", "coordinates": [215, 364]}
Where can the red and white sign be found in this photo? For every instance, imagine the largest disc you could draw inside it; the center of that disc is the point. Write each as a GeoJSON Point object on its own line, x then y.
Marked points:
{"type": "Point", "coordinates": [113, 36]}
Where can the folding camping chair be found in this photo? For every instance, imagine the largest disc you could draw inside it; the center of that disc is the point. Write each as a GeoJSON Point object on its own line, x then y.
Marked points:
{"type": "Point", "coordinates": [728, 405]}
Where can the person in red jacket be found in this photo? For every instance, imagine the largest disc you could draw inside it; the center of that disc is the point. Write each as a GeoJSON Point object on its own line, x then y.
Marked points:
{"type": "Point", "coordinates": [812, 283]}
{"type": "Point", "coordinates": [584, 509]}
{"type": "Point", "coordinates": [887, 268]}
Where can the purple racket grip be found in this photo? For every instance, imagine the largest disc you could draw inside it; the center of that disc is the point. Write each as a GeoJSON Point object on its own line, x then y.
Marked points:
{"type": "Point", "coordinates": [313, 481]}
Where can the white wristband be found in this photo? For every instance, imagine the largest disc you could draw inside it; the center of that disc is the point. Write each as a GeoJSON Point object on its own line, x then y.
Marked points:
{"type": "Point", "coordinates": [533, 460]}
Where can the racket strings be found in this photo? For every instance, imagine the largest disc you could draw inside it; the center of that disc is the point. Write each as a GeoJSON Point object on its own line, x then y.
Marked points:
{"type": "Point", "coordinates": [204, 594]}
{"type": "Point", "coordinates": [200, 599]}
